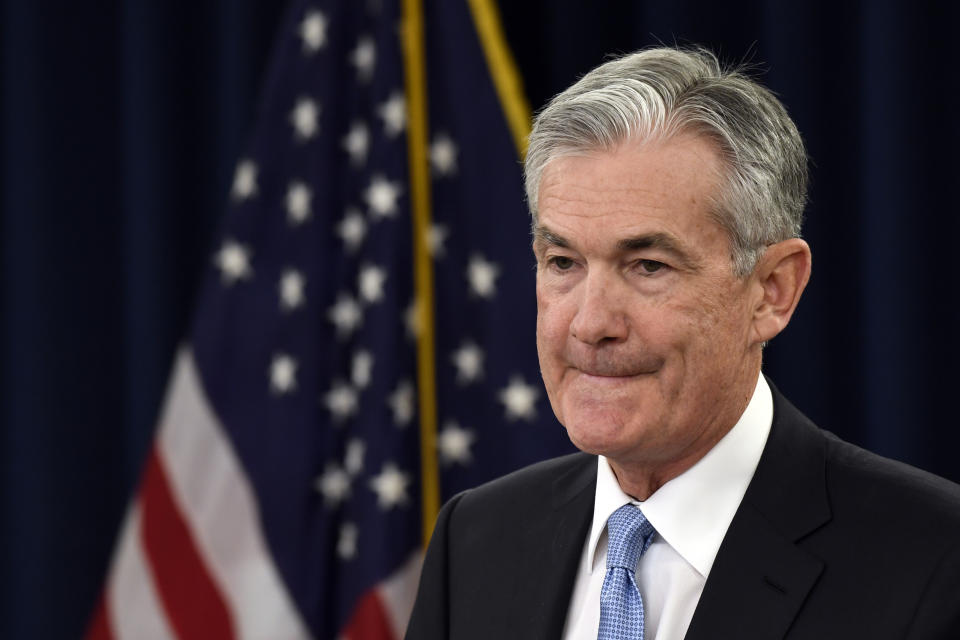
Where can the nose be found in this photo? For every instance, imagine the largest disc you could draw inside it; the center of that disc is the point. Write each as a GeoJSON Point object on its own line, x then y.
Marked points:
{"type": "Point", "coordinates": [601, 316]}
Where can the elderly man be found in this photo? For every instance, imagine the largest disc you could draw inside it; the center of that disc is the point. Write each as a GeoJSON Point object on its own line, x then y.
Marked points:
{"type": "Point", "coordinates": [667, 195]}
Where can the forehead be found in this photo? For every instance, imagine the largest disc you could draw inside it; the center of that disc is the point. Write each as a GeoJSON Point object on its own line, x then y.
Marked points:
{"type": "Point", "coordinates": [665, 187]}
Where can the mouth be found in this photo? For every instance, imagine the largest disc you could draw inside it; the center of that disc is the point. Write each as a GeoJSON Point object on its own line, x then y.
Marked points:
{"type": "Point", "coordinates": [610, 378]}
{"type": "Point", "coordinates": [607, 368]}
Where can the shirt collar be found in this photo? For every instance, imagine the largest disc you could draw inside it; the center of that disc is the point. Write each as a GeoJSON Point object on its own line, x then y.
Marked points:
{"type": "Point", "coordinates": [693, 511]}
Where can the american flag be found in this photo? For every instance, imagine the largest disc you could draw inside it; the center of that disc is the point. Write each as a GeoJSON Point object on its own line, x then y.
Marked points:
{"type": "Point", "coordinates": [284, 496]}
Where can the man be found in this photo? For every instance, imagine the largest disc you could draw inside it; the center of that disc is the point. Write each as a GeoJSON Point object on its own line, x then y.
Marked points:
{"type": "Point", "coordinates": [667, 196]}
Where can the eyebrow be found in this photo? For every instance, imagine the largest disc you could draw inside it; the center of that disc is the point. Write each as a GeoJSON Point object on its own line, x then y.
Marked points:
{"type": "Point", "coordinates": [662, 241]}
{"type": "Point", "coordinates": [542, 234]}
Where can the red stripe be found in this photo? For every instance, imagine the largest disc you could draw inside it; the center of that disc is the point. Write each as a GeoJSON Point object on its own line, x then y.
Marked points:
{"type": "Point", "coordinates": [100, 624]}
{"type": "Point", "coordinates": [191, 600]}
{"type": "Point", "coordinates": [369, 620]}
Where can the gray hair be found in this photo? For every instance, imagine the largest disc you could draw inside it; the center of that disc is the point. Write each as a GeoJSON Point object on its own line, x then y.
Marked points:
{"type": "Point", "coordinates": [658, 93]}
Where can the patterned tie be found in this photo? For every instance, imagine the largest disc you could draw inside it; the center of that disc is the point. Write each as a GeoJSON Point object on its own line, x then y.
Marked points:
{"type": "Point", "coordinates": [621, 607]}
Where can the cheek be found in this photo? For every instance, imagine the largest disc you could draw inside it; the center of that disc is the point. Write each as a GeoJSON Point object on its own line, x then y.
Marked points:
{"type": "Point", "coordinates": [553, 325]}
{"type": "Point", "coordinates": [718, 328]}
{"type": "Point", "coordinates": [684, 334]}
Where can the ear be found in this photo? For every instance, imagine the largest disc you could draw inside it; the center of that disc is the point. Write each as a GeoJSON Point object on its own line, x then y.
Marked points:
{"type": "Point", "coordinates": [782, 274]}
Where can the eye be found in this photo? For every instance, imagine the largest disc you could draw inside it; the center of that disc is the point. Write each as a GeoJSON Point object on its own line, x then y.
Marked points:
{"type": "Point", "coordinates": [650, 266]}
{"type": "Point", "coordinates": [562, 263]}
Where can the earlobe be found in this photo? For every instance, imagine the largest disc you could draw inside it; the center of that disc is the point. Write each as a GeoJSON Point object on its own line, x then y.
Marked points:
{"type": "Point", "coordinates": [782, 274]}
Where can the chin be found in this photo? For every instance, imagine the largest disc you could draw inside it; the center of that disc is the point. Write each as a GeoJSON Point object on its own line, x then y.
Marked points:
{"type": "Point", "coordinates": [597, 431]}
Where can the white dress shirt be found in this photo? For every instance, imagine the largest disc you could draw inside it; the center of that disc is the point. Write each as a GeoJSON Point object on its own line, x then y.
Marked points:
{"type": "Point", "coordinates": [691, 514]}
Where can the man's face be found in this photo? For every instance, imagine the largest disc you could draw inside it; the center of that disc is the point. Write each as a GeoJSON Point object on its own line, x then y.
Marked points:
{"type": "Point", "coordinates": [643, 331]}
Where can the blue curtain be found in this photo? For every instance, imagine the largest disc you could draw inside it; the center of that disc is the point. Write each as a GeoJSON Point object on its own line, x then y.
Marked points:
{"type": "Point", "coordinates": [121, 124]}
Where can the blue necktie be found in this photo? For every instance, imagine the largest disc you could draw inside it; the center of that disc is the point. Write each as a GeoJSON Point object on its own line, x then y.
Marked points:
{"type": "Point", "coordinates": [621, 607]}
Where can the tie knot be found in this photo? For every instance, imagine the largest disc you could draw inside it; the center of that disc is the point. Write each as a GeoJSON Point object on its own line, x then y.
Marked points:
{"type": "Point", "coordinates": [629, 534]}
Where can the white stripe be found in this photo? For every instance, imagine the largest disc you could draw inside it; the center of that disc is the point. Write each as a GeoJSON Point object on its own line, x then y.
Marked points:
{"type": "Point", "coordinates": [398, 592]}
{"type": "Point", "coordinates": [135, 611]}
{"type": "Point", "coordinates": [211, 488]}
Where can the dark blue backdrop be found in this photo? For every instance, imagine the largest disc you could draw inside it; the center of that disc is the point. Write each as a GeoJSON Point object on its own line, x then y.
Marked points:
{"type": "Point", "coordinates": [120, 128]}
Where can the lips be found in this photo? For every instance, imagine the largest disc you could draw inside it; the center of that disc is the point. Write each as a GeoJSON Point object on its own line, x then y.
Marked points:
{"type": "Point", "coordinates": [606, 374]}
{"type": "Point", "coordinates": [616, 366]}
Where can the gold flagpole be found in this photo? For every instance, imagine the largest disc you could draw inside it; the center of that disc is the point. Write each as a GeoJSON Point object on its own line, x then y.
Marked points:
{"type": "Point", "coordinates": [414, 62]}
{"type": "Point", "coordinates": [503, 71]}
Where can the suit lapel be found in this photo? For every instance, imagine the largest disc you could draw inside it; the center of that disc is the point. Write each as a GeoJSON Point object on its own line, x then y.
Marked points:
{"type": "Point", "coordinates": [757, 584]}
{"type": "Point", "coordinates": [553, 542]}
{"type": "Point", "coordinates": [761, 578]}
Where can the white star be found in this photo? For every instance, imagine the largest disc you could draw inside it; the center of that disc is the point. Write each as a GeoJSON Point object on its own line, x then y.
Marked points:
{"type": "Point", "coordinates": [411, 319]}
{"type": "Point", "coordinates": [347, 542]}
{"type": "Point", "coordinates": [362, 369]}
{"type": "Point", "coordinates": [298, 200]}
{"type": "Point", "coordinates": [519, 399]}
{"type": "Point", "coordinates": [292, 283]}
{"type": "Point", "coordinates": [390, 485]}
{"type": "Point", "coordinates": [482, 276]}
{"type": "Point", "coordinates": [313, 31]}
{"type": "Point", "coordinates": [304, 119]}
{"type": "Point", "coordinates": [244, 180]}
{"type": "Point", "coordinates": [345, 314]}
{"type": "Point", "coordinates": [334, 484]}
{"type": "Point", "coordinates": [443, 155]}
{"type": "Point", "coordinates": [468, 360]}
{"type": "Point", "coordinates": [357, 143]}
{"type": "Point", "coordinates": [370, 282]}
{"type": "Point", "coordinates": [341, 401]}
{"type": "Point", "coordinates": [233, 260]}
{"type": "Point", "coordinates": [364, 58]}
{"type": "Point", "coordinates": [353, 460]}
{"type": "Point", "coordinates": [283, 374]}
{"type": "Point", "coordinates": [394, 114]}
{"type": "Point", "coordinates": [401, 401]}
{"type": "Point", "coordinates": [352, 229]}
{"type": "Point", "coordinates": [454, 444]}
{"type": "Point", "coordinates": [381, 196]}
{"type": "Point", "coordinates": [436, 237]}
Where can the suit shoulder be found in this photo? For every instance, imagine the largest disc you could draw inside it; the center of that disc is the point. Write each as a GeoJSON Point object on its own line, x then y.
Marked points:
{"type": "Point", "coordinates": [532, 486]}
{"type": "Point", "coordinates": [865, 481]}
{"type": "Point", "coordinates": [864, 489]}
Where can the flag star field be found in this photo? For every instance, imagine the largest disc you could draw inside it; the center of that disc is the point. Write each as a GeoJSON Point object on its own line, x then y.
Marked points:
{"type": "Point", "coordinates": [302, 359]}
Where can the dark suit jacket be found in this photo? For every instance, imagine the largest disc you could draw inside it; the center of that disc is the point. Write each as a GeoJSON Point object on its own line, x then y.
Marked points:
{"type": "Point", "coordinates": [830, 541]}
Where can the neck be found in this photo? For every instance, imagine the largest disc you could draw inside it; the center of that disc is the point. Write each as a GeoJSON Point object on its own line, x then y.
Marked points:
{"type": "Point", "coordinates": [640, 479]}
